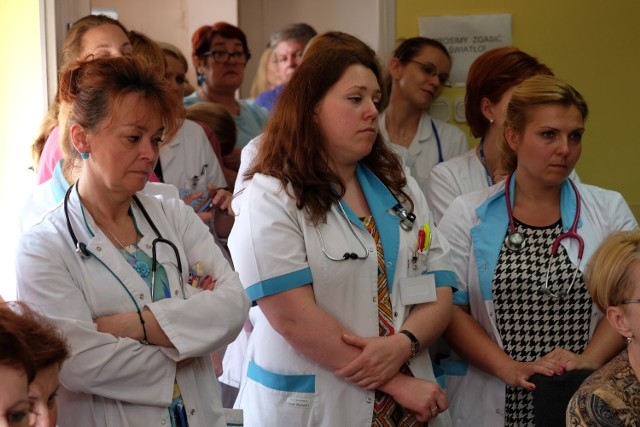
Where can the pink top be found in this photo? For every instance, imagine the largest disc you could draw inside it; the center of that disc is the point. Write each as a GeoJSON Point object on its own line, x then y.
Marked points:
{"type": "Point", "coordinates": [50, 156]}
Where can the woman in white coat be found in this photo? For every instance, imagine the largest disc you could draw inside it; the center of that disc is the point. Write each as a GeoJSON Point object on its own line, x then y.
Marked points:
{"type": "Point", "coordinates": [418, 71]}
{"type": "Point", "coordinates": [523, 307]}
{"type": "Point", "coordinates": [491, 79]}
{"type": "Point", "coordinates": [327, 243]}
{"type": "Point", "coordinates": [135, 282]}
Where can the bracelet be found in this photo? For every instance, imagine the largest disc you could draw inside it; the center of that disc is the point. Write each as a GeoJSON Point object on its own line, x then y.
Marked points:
{"type": "Point", "coordinates": [144, 330]}
{"type": "Point", "coordinates": [415, 344]}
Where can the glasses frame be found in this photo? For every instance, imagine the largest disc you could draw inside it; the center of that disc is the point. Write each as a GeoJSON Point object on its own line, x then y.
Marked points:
{"type": "Point", "coordinates": [431, 71]}
{"type": "Point", "coordinates": [240, 57]}
{"type": "Point", "coordinates": [631, 301]}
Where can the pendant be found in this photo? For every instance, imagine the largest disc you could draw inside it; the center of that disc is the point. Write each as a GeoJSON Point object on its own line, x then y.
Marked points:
{"type": "Point", "coordinates": [142, 269]}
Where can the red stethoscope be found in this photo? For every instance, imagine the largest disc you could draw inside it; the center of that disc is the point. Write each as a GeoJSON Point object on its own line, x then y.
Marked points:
{"type": "Point", "coordinates": [515, 241]}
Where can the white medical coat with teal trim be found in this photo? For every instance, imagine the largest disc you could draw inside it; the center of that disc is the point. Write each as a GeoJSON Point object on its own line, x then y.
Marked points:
{"type": "Point", "coordinates": [475, 225]}
{"type": "Point", "coordinates": [109, 381]}
{"type": "Point", "coordinates": [275, 248]}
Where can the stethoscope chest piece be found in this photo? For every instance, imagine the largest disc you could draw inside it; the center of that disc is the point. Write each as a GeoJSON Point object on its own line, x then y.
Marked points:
{"type": "Point", "coordinates": [515, 241]}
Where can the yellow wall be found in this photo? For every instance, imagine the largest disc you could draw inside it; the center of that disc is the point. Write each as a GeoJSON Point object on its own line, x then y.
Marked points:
{"type": "Point", "coordinates": [22, 106]}
{"type": "Point", "coordinates": [592, 45]}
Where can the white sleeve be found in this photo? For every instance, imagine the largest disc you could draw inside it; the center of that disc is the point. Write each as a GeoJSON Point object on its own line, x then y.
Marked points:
{"type": "Point", "coordinates": [121, 369]}
{"type": "Point", "coordinates": [440, 190]}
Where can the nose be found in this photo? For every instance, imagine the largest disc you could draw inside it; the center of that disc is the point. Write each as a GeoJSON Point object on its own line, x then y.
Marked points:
{"type": "Point", "coordinates": [149, 150]}
{"type": "Point", "coordinates": [371, 112]}
{"type": "Point", "coordinates": [563, 145]}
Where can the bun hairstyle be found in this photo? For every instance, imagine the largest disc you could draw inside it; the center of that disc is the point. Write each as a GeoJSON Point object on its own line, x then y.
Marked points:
{"type": "Point", "coordinates": [90, 92]}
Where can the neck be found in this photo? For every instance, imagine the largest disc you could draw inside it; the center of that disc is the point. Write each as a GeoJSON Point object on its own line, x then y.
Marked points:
{"type": "Point", "coordinates": [634, 356]}
{"type": "Point", "coordinates": [402, 120]}
{"type": "Point", "coordinates": [535, 204]}
{"type": "Point", "coordinates": [490, 144]}
{"type": "Point", "coordinates": [105, 207]}
{"type": "Point", "coordinates": [226, 98]}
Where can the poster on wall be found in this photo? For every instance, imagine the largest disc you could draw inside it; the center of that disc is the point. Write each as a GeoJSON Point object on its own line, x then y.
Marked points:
{"type": "Point", "coordinates": [467, 37]}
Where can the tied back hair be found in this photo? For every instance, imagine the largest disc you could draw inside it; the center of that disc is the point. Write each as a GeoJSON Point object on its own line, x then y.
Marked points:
{"type": "Point", "coordinates": [292, 148]}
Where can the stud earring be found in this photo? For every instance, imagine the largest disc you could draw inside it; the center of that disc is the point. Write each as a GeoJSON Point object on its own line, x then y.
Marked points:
{"type": "Point", "coordinates": [629, 339]}
{"type": "Point", "coordinates": [490, 121]}
{"type": "Point", "coordinates": [200, 79]}
{"type": "Point", "coordinates": [84, 155]}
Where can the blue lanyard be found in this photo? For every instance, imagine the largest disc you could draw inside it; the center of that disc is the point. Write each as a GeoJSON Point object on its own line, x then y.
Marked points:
{"type": "Point", "coordinates": [484, 164]}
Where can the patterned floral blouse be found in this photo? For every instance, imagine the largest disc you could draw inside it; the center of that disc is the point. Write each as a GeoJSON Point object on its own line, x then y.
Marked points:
{"type": "Point", "coordinates": [609, 397]}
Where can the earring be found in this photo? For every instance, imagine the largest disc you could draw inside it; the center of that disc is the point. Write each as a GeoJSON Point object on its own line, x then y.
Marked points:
{"type": "Point", "coordinates": [84, 155]}
{"type": "Point", "coordinates": [629, 339]}
{"type": "Point", "coordinates": [490, 121]}
{"type": "Point", "coordinates": [200, 79]}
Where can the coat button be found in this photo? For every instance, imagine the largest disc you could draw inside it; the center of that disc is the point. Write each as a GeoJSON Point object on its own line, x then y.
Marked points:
{"type": "Point", "coordinates": [369, 400]}
{"type": "Point", "coordinates": [374, 299]}
{"type": "Point", "coordinates": [141, 296]}
{"type": "Point", "coordinates": [175, 292]}
{"type": "Point", "coordinates": [163, 422]}
{"type": "Point", "coordinates": [193, 412]}
{"type": "Point", "coordinates": [98, 249]}
{"type": "Point", "coordinates": [389, 264]}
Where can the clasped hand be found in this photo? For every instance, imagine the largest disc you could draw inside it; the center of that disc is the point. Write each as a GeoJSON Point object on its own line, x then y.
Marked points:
{"type": "Point", "coordinates": [380, 360]}
{"type": "Point", "coordinates": [556, 362]}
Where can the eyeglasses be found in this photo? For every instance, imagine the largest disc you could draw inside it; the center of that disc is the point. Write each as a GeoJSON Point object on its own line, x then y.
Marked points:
{"type": "Point", "coordinates": [431, 71]}
{"type": "Point", "coordinates": [222, 56]}
{"type": "Point", "coordinates": [631, 301]}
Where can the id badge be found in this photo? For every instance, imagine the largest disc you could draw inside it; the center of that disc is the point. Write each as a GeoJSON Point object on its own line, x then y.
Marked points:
{"type": "Point", "coordinates": [418, 289]}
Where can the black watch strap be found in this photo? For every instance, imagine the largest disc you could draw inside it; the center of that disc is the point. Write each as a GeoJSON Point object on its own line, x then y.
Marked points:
{"type": "Point", "coordinates": [415, 344]}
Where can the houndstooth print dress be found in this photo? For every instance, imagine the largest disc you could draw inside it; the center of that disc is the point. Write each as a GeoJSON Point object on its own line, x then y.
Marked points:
{"type": "Point", "coordinates": [530, 323]}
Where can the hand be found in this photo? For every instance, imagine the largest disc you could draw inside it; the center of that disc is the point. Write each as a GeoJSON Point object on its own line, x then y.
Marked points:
{"type": "Point", "coordinates": [571, 361]}
{"type": "Point", "coordinates": [208, 283]}
{"type": "Point", "coordinates": [517, 374]}
{"type": "Point", "coordinates": [221, 199]}
{"type": "Point", "coordinates": [380, 360]}
{"type": "Point", "coordinates": [425, 399]}
{"type": "Point", "coordinates": [123, 325]}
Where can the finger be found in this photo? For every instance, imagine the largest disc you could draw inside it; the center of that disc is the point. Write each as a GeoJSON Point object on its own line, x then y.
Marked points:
{"type": "Point", "coordinates": [355, 340]}
{"type": "Point", "coordinates": [207, 283]}
{"type": "Point", "coordinates": [191, 197]}
{"type": "Point", "coordinates": [350, 369]}
{"type": "Point", "coordinates": [442, 402]}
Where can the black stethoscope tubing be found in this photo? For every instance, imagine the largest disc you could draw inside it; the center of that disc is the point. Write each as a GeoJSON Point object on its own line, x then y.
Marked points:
{"type": "Point", "coordinates": [81, 247]}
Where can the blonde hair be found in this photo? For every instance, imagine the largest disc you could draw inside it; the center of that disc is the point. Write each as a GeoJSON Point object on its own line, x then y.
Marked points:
{"type": "Point", "coordinates": [261, 81]}
{"type": "Point", "coordinates": [219, 120]}
{"type": "Point", "coordinates": [532, 93]}
{"type": "Point", "coordinates": [609, 276]}
{"type": "Point", "coordinates": [148, 51]}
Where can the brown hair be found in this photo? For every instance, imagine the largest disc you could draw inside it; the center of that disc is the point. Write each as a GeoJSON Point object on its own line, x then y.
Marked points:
{"type": "Point", "coordinates": [148, 51]}
{"type": "Point", "coordinates": [292, 148]}
{"type": "Point", "coordinates": [534, 92]}
{"type": "Point", "coordinates": [71, 50]}
{"type": "Point", "coordinates": [608, 275]}
{"type": "Point", "coordinates": [203, 36]}
{"type": "Point", "coordinates": [45, 343]}
{"type": "Point", "coordinates": [90, 92]}
{"type": "Point", "coordinates": [219, 120]}
{"type": "Point", "coordinates": [490, 76]}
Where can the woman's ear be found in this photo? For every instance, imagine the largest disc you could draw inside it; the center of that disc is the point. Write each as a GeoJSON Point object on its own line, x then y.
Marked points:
{"type": "Point", "coordinates": [512, 137]}
{"type": "Point", "coordinates": [395, 68]}
{"type": "Point", "coordinates": [487, 107]}
{"type": "Point", "coordinates": [79, 138]}
{"type": "Point", "coordinates": [617, 319]}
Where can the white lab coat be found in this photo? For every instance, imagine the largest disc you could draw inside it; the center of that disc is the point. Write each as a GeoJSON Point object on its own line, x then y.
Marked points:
{"type": "Point", "coordinates": [475, 225]}
{"type": "Point", "coordinates": [189, 162]}
{"type": "Point", "coordinates": [109, 381]}
{"type": "Point", "coordinates": [276, 248]}
{"type": "Point", "coordinates": [422, 154]}
{"type": "Point", "coordinates": [463, 174]}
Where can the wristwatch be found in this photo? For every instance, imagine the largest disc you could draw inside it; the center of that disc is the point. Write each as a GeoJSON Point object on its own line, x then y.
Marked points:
{"type": "Point", "coordinates": [415, 344]}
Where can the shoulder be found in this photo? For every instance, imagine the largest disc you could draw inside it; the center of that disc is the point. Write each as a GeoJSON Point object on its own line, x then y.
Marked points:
{"type": "Point", "coordinates": [455, 165]}
{"type": "Point", "coordinates": [443, 127]}
{"type": "Point", "coordinates": [189, 100]}
{"type": "Point", "coordinates": [248, 106]}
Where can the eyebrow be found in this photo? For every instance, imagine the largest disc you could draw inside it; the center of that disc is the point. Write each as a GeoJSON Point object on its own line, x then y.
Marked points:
{"type": "Point", "coordinates": [238, 43]}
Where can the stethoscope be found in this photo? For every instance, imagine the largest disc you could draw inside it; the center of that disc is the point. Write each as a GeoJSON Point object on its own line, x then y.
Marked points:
{"type": "Point", "coordinates": [407, 220]}
{"type": "Point", "coordinates": [83, 252]}
{"type": "Point", "coordinates": [515, 241]}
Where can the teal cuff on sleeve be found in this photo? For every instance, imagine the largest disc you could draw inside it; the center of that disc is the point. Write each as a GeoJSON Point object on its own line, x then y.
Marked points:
{"type": "Point", "coordinates": [279, 284]}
